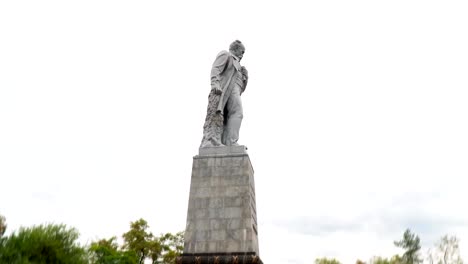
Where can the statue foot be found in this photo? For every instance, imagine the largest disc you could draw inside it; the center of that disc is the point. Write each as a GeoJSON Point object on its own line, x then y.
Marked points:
{"type": "Point", "coordinates": [233, 144]}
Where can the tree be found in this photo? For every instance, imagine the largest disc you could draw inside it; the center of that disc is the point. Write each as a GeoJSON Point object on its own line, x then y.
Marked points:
{"type": "Point", "coordinates": [3, 225]}
{"type": "Point", "coordinates": [142, 244]}
{"type": "Point", "coordinates": [411, 244]}
{"type": "Point", "coordinates": [446, 251]}
{"type": "Point", "coordinates": [138, 239]}
{"type": "Point", "coordinates": [106, 251]}
{"type": "Point", "coordinates": [396, 259]}
{"type": "Point", "coordinates": [379, 260]}
{"type": "Point", "coordinates": [172, 246]}
{"type": "Point", "coordinates": [43, 244]}
{"type": "Point", "coordinates": [326, 261]}
{"type": "Point", "coordinates": [155, 250]}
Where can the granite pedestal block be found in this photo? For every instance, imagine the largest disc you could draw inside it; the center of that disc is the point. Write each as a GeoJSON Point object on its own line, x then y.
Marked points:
{"type": "Point", "coordinates": [245, 258]}
{"type": "Point", "coordinates": [221, 217]}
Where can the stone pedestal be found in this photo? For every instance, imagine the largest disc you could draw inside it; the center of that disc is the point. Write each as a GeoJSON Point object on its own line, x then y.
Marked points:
{"type": "Point", "coordinates": [222, 217]}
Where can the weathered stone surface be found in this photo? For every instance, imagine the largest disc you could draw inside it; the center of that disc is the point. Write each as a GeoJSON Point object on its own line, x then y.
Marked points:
{"type": "Point", "coordinates": [226, 150]}
{"type": "Point", "coordinates": [221, 217]}
{"type": "Point", "coordinates": [244, 258]}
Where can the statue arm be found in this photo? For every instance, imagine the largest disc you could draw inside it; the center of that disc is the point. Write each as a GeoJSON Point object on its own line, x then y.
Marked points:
{"type": "Point", "coordinates": [218, 67]}
{"type": "Point", "coordinates": [245, 78]}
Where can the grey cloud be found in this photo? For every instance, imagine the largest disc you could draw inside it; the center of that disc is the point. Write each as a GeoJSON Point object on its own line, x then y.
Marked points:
{"type": "Point", "coordinates": [318, 226]}
{"type": "Point", "coordinates": [414, 211]}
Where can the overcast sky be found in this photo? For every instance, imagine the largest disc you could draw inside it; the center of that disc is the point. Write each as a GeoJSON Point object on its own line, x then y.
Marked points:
{"type": "Point", "coordinates": [355, 117]}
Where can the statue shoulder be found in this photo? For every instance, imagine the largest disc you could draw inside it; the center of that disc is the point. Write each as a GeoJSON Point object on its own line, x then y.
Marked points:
{"type": "Point", "coordinates": [223, 58]}
{"type": "Point", "coordinates": [223, 53]}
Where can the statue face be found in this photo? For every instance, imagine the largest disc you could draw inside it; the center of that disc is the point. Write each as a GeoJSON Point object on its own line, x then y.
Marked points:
{"type": "Point", "coordinates": [239, 52]}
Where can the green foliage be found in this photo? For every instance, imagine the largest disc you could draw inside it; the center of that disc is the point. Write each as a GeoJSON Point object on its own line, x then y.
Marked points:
{"type": "Point", "coordinates": [396, 259]}
{"type": "Point", "coordinates": [379, 260]}
{"type": "Point", "coordinates": [138, 240]}
{"type": "Point", "coordinates": [160, 250]}
{"type": "Point", "coordinates": [172, 246]}
{"type": "Point", "coordinates": [58, 244]}
{"type": "Point", "coordinates": [107, 252]}
{"type": "Point", "coordinates": [326, 261]}
{"type": "Point", "coordinates": [3, 225]}
{"type": "Point", "coordinates": [411, 244]}
{"type": "Point", "coordinates": [42, 244]}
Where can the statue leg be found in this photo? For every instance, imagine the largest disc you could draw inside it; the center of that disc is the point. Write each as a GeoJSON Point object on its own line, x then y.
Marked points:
{"type": "Point", "coordinates": [213, 127]}
{"type": "Point", "coordinates": [234, 117]}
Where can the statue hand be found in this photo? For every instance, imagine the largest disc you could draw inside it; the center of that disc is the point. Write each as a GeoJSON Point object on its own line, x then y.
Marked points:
{"type": "Point", "coordinates": [217, 90]}
{"type": "Point", "coordinates": [244, 72]}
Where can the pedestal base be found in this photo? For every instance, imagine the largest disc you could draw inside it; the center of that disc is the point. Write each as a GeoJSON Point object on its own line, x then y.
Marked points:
{"type": "Point", "coordinates": [220, 258]}
{"type": "Point", "coordinates": [222, 216]}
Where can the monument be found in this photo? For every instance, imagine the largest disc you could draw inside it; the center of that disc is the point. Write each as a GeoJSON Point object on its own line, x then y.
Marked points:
{"type": "Point", "coordinates": [222, 215]}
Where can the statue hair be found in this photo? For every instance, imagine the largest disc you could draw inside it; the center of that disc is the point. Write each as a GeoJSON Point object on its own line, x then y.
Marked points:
{"type": "Point", "coordinates": [236, 45]}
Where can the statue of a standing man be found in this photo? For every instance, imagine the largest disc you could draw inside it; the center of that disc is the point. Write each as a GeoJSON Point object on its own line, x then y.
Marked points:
{"type": "Point", "coordinates": [224, 114]}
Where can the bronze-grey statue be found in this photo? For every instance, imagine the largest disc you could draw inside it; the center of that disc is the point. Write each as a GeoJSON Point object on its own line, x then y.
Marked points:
{"type": "Point", "coordinates": [224, 113]}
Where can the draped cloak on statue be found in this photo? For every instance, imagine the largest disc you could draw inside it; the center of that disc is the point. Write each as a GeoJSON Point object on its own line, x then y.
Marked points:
{"type": "Point", "coordinates": [223, 73]}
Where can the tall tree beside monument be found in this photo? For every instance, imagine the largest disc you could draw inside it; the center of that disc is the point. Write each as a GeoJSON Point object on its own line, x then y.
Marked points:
{"type": "Point", "coordinates": [411, 244]}
{"type": "Point", "coordinates": [222, 215]}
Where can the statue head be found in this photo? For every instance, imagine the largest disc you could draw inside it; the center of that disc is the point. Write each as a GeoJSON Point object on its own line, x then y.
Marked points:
{"type": "Point", "coordinates": [237, 49]}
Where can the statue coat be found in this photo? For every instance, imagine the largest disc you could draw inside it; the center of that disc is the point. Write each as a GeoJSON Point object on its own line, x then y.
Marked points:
{"type": "Point", "coordinates": [223, 74]}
